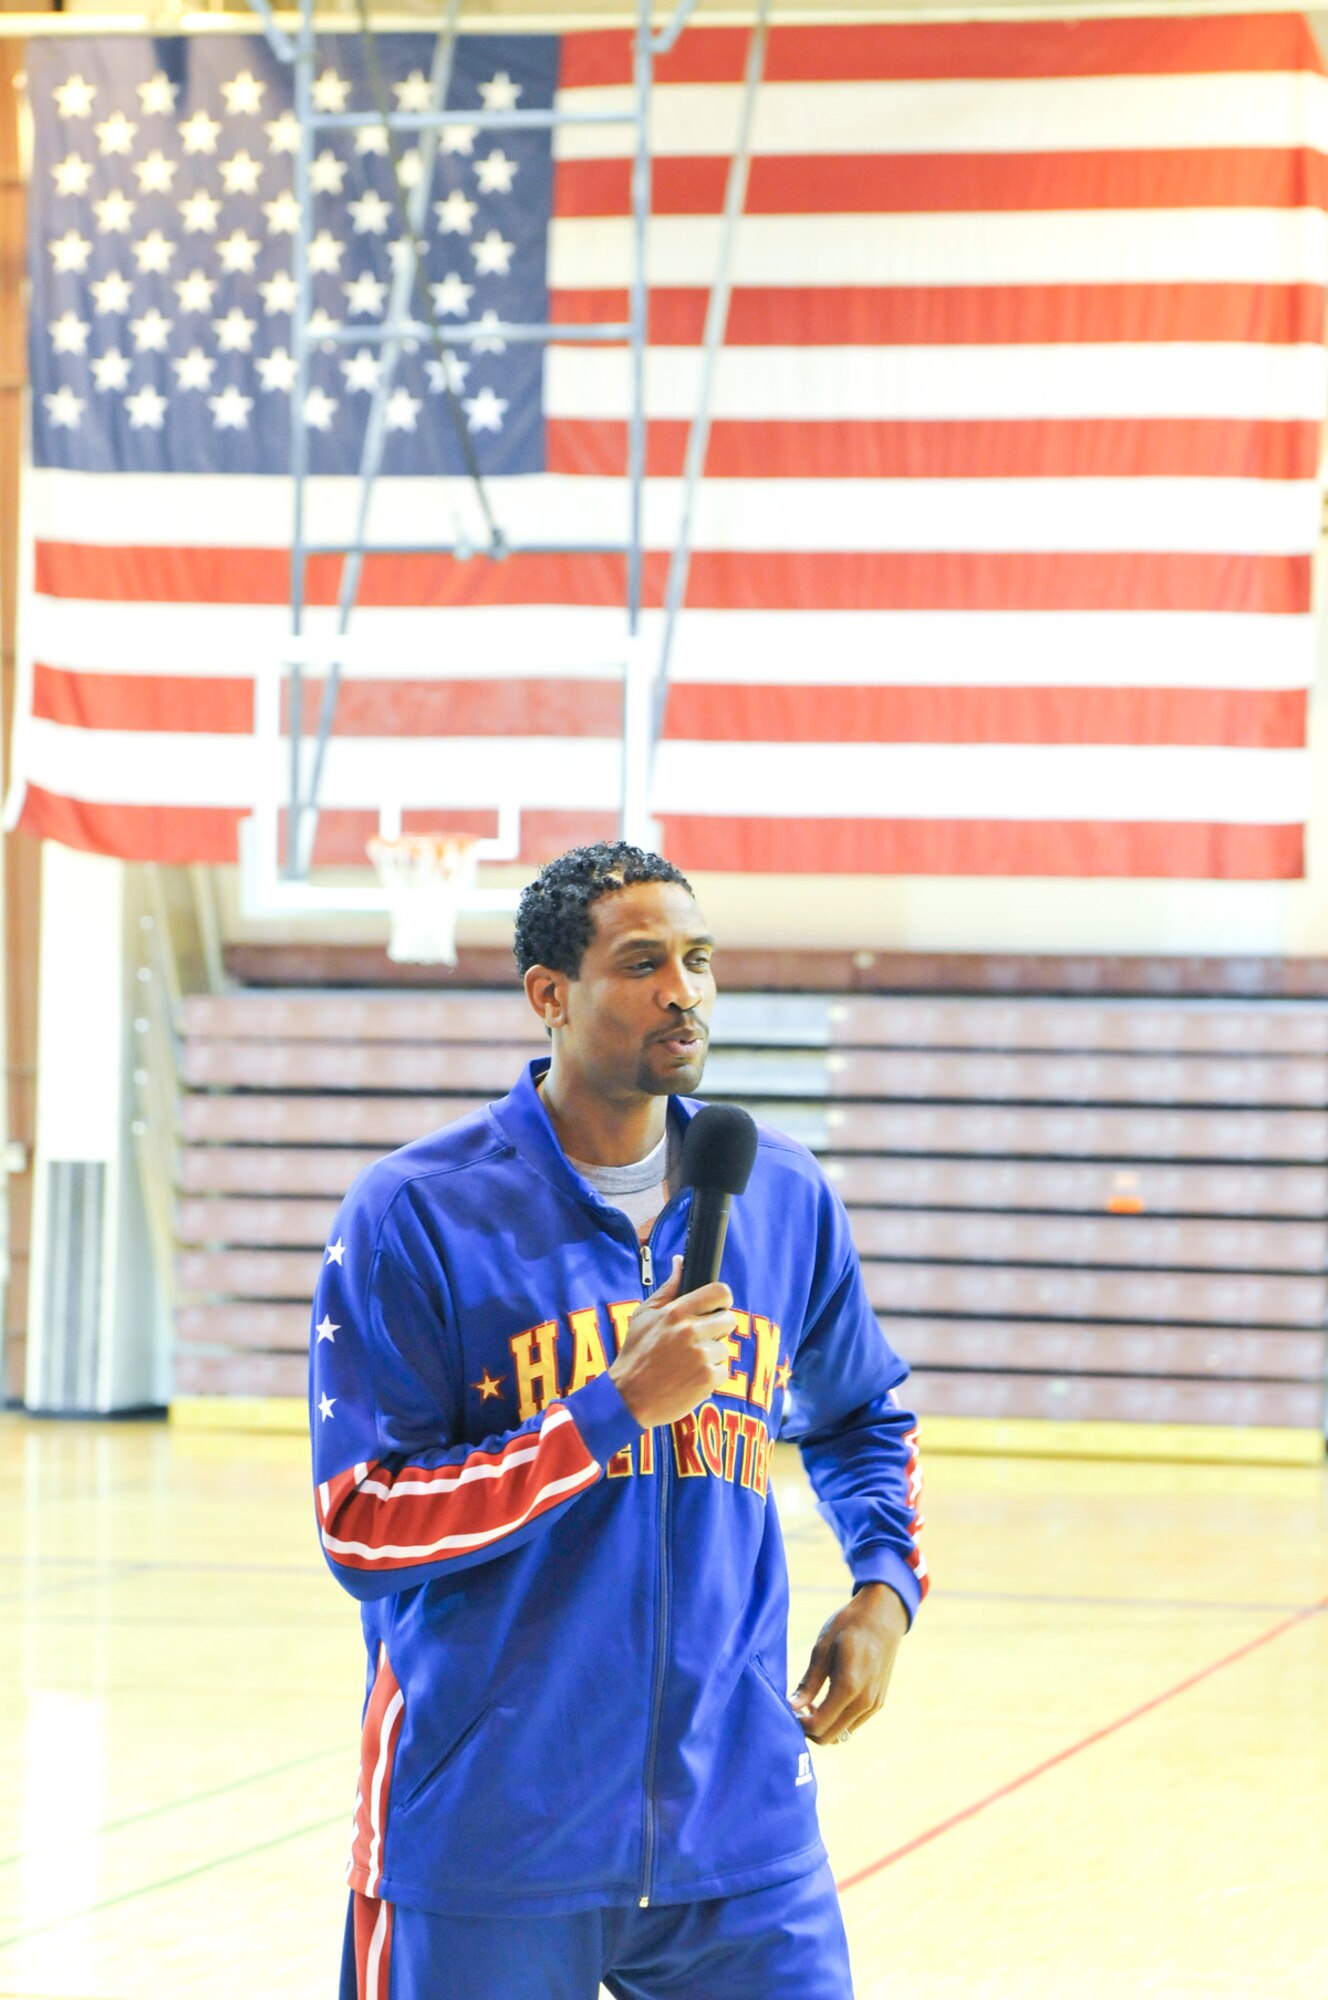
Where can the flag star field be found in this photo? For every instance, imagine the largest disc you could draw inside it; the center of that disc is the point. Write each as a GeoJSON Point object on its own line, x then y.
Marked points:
{"type": "Point", "coordinates": [162, 256]}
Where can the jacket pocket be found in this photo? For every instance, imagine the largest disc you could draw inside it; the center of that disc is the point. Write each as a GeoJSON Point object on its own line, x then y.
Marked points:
{"type": "Point", "coordinates": [758, 1667]}
{"type": "Point", "coordinates": [455, 1744]}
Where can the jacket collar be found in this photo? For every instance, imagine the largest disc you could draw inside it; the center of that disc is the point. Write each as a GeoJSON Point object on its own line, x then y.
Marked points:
{"type": "Point", "coordinates": [524, 1122]}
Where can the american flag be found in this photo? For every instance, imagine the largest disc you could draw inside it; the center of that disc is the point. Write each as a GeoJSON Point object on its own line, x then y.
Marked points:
{"type": "Point", "coordinates": [1003, 553]}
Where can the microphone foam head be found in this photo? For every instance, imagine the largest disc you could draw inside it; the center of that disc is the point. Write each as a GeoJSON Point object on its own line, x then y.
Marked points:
{"type": "Point", "coordinates": [718, 1149]}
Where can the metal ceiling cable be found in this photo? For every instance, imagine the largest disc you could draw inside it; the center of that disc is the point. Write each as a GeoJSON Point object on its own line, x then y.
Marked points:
{"type": "Point", "coordinates": [378, 91]}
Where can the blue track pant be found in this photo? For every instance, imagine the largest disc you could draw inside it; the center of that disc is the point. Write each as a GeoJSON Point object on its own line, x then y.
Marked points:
{"type": "Point", "coordinates": [785, 1943]}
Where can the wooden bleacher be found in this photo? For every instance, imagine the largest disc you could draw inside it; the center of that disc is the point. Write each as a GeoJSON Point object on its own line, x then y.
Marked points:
{"type": "Point", "coordinates": [1070, 1208]}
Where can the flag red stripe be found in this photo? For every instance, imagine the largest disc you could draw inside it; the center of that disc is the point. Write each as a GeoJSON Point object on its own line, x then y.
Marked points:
{"type": "Point", "coordinates": [720, 579]}
{"type": "Point", "coordinates": [1051, 448]}
{"type": "Point", "coordinates": [172, 834]}
{"type": "Point", "coordinates": [702, 712]}
{"type": "Point", "coordinates": [183, 834]}
{"type": "Point", "coordinates": [978, 847]}
{"type": "Point", "coordinates": [820, 714]}
{"type": "Point", "coordinates": [755, 846]}
{"type": "Point", "coordinates": [965, 315]}
{"type": "Point", "coordinates": [949, 183]}
{"type": "Point", "coordinates": [823, 53]}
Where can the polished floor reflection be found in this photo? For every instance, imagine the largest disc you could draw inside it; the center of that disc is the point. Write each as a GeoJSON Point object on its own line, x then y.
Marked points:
{"type": "Point", "coordinates": [1101, 1770]}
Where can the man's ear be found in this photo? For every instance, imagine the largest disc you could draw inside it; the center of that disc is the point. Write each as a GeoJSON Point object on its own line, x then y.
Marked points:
{"type": "Point", "coordinates": [546, 991]}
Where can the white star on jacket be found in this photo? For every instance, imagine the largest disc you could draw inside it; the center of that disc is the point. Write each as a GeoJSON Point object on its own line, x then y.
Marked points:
{"type": "Point", "coordinates": [335, 1252]}
{"type": "Point", "coordinates": [326, 1328]}
{"type": "Point", "coordinates": [325, 1406]}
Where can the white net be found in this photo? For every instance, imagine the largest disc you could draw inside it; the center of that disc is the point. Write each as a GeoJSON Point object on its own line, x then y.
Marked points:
{"type": "Point", "coordinates": [427, 877]}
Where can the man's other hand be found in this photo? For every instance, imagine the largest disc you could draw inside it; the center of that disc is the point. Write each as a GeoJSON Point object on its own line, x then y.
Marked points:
{"type": "Point", "coordinates": [674, 1354]}
{"type": "Point", "coordinates": [852, 1660]}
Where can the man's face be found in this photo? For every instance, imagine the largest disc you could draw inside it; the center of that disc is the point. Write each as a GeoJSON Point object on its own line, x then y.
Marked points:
{"type": "Point", "coordinates": [636, 1016]}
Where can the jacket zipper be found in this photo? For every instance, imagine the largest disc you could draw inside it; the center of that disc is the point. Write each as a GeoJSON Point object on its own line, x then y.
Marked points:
{"type": "Point", "coordinates": [662, 1477]}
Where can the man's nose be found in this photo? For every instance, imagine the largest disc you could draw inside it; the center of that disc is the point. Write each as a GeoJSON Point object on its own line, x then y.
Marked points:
{"type": "Point", "coordinates": [679, 989]}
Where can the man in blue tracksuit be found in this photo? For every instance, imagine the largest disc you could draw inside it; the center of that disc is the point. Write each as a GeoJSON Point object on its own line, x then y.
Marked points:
{"type": "Point", "coordinates": [545, 1476]}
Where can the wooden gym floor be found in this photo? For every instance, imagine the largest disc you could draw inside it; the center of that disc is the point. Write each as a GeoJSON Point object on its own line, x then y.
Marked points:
{"type": "Point", "coordinates": [1101, 1771]}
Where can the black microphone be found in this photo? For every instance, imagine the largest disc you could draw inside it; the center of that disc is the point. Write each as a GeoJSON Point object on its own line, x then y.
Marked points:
{"type": "Point", "coordinates": [718, 1150]}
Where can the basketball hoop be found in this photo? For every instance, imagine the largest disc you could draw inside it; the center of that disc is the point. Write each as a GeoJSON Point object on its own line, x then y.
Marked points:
{"type": "Point", "coordinates": [426, 877]}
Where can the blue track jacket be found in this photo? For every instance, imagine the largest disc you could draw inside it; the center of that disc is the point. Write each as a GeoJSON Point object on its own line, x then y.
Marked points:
{"type": "Point", "coordinates": [576, 1630]}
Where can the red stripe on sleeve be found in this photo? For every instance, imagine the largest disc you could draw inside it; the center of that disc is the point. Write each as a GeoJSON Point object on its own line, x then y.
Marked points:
{"type": "Point", "coordinates": [376, 1518]}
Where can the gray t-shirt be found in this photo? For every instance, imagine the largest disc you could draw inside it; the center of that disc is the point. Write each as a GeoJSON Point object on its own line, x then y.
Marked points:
{"type": "Point", "coordinates": [641, 1188]}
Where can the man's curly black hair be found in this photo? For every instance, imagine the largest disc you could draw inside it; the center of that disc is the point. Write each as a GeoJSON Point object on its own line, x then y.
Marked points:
{"type": "Point", "coordinates": [553, 920]}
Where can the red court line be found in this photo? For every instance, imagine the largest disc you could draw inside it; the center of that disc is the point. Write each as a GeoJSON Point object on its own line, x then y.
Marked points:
{"type": "Point", "coordinates": [1084, 1743]}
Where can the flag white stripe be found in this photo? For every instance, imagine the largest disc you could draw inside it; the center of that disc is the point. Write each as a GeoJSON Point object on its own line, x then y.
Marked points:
{"type": "Point", "coordinates": [859, 648]}
{"type": "Point", "coordinates": [869, 780]}
{"type": "Point", "coordinates": [1249, 516]}
{"type": "Point", "coordinates": [1046, 247]}
{"type": "Point", "coordinates": [964, 115]}
{"type": "Point", "coordinates": [923, 384]}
